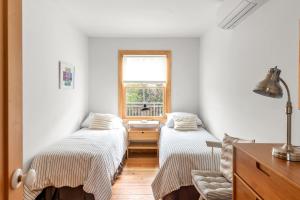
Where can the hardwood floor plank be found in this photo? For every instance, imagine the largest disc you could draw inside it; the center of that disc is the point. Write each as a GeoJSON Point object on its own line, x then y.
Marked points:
{"type": "Point", "coordinates": [135, 180]}
{"type": "Point", "coordinates": [133, 190]}
{"type": "Point", "coordinates": [132, 197]}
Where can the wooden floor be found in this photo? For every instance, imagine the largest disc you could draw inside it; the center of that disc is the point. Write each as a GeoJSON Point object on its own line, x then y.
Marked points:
{"type": "Point", "coordinates": [135, 180]}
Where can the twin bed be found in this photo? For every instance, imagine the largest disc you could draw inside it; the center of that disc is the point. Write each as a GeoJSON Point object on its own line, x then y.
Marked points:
{"type": "Point", "coordinates": [87, 158]}
{"type": "Point", "coordinates": [90, 159]}
{"type": "Point", "coordinates": [180, 152]}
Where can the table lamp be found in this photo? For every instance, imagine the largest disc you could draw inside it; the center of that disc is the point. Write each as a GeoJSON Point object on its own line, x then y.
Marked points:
{"type": "Point", "coordinates": [270, 87]}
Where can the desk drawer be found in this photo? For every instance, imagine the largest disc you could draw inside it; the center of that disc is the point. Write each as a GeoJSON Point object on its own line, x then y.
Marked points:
{"type": "Point", "coordinates": [242, 190]}
{"type": "Point", "coordinates": [263, 180]}
{"type": "Point", "coordinates": [143, 136]}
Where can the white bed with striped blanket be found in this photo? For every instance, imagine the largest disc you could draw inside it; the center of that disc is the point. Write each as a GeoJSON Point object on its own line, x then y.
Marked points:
{"type": "Point", "coordinates": [180, 152]}
{"type": "Point", "coordinates": [87, 157]}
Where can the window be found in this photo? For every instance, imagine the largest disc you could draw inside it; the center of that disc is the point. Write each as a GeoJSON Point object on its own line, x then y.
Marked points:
{"type": "Point", "coordinates": [144, 84]}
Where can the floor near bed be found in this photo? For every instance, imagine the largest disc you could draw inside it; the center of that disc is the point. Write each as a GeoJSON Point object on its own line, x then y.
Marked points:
{"type": "Point", "coordinates": [135, 180]}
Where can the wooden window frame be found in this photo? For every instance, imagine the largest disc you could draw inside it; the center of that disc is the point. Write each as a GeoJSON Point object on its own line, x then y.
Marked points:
{"type": "Point", "coordinates": [167, 92]}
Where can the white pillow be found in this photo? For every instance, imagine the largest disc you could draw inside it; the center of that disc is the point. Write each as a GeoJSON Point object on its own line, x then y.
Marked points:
{"type": "Point", "coordinates": [117, 121]}
{"type": "Point", "coordinates": [185, 123]}
{"type": "Point", "coordinates": [103, 122]}
{"type": "Point", "coordinates": [86, 122]}
{"type": "Point", "coordinates": [170, 120]}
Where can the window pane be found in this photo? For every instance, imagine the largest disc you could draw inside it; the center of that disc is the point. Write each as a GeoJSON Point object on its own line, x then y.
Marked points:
{"type": "Point", "coordinates": [154, 95]}
{"type": "Point", "coordinates": [144, 68]}
{"type": "Point", "coordinates": [134, 95]}
{"type": "Point", "coordinates": [139, 96]}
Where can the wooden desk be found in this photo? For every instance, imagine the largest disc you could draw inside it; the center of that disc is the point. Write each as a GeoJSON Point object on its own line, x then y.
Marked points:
{"type": "Point", "coordinates": [259, 175]}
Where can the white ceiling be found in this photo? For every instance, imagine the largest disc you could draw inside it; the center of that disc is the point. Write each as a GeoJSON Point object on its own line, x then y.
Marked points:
{"type": "Point", "coordinates": [141, 18]}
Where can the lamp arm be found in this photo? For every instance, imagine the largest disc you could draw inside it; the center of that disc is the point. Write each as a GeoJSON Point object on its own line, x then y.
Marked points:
{"type": "Point", "coordinates": [287, 89]}
{"type": "Point", "coordinates": [289, 110]}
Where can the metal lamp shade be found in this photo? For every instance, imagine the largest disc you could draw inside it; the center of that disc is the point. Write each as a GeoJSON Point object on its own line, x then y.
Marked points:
{"type": "Point", "coordinates": [270, 86]}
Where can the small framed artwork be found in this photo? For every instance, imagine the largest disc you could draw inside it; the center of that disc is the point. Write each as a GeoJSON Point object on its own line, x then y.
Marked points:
{"type": "Point", "coordinates": [66, 75]}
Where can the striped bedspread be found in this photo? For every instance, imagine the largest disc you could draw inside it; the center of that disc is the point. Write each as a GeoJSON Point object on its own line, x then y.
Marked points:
{"type": "Point", "coordinates": [87, 157]}
{"type": "Point", "coordinates": [180, 152]}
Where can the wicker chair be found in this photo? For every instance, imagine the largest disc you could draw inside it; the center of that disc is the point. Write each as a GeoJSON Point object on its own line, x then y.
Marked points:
{"type": "Point", "coordinates": [212, 185]}
{"type": "Point", "coordinates": [217, 185]}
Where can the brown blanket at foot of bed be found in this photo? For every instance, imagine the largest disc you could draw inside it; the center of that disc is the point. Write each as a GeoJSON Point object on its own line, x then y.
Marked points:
{"type": "Point", "coordinates": [65, 193]}
{"type": "Point", "coordinates": [184, 193]}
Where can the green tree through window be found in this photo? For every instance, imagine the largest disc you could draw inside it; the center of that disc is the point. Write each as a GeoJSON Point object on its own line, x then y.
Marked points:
{"type": "Point", "coordinates": [138, 95]}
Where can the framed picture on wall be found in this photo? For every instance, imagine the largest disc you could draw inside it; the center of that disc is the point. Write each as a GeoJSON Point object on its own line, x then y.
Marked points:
{"type": "Point", "coordinates": [66, 75]}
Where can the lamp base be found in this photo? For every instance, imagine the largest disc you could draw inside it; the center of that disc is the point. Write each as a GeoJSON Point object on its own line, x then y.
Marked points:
{"type": "Point", "coordinates": [293, 154]}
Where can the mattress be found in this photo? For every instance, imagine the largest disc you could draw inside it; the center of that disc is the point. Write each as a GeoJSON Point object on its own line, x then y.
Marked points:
{"type": "Point", "coordinates": [86, 157]}
{"type": "Point", "coordinates": [180, 152]}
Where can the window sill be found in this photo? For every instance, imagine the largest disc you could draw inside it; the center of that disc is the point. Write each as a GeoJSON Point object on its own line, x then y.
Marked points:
{"type": "Point", "coordinates": [161, 119]}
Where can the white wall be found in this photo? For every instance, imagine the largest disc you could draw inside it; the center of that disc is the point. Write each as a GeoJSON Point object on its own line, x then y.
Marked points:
{"type": "Point", "coordinates": [103, 70]}
{"type": "Point", "coordinates": [50, 113]}
{"type": "Point", "coordinates": [233, 62]}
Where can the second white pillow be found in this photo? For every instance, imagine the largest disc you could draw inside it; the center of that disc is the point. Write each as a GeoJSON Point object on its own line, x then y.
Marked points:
{"type": "Point", "coordinates": [185, 123]}
{"type": "Point", "coordinates": [103, 122]}
{"type": "Point", "coordinates": [170, 120]}
{"type": "Point", "coordinates": [117, 121]}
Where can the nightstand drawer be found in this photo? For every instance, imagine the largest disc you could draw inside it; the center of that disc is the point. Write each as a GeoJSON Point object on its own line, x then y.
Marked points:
{"type": "Point", "coordinates": [143, 136]}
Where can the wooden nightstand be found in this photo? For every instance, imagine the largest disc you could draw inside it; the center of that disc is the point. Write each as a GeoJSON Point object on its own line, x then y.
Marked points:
{"type": "Point", "coordinates": [143, 135]}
